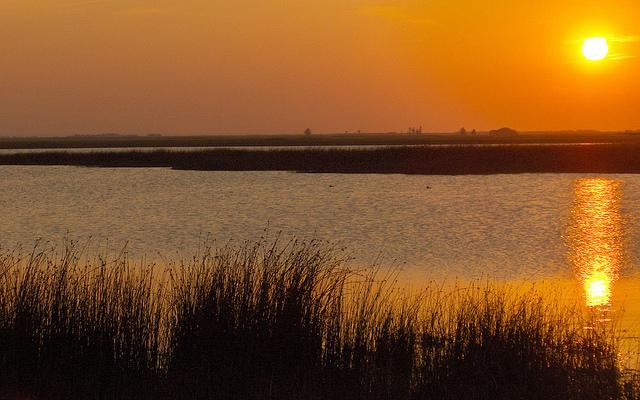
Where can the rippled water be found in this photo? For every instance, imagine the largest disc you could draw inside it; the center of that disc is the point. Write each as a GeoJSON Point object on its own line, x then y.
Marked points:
{"type": "Point", "coordinates": [509, 227]}
{"type": "Point", "coordinates": [578, 231]}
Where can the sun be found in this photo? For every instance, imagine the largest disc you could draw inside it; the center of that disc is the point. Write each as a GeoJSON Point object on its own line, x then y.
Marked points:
{"type": "Point", "coordinates": [595, 48]}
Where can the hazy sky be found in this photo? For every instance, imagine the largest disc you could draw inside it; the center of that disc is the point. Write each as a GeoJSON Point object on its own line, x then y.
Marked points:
{"type": "Point", "coordinates": [265, 66]}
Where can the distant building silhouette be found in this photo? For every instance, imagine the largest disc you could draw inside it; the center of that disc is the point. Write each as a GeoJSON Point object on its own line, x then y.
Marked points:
{"type": "Point", "coordinates": [503, 132]}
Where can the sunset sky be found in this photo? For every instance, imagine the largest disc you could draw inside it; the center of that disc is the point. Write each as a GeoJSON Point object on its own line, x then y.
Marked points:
{"type": "Point", "coordinates": [270, 67]}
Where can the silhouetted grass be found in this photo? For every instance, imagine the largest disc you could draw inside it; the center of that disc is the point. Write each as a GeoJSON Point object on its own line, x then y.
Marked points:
{"type": "Point", "coordinates": [71, 331]}
{"type": "Point", "coordinates": [435, 160]}
{"type": "Point", "coordinates": [272, 321]}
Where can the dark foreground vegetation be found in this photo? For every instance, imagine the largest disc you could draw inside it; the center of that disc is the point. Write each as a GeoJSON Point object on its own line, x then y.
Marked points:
{"type": "Point", "coordinates": [266, 321]}
{"type": "Point", "coordinates": [435, 160]}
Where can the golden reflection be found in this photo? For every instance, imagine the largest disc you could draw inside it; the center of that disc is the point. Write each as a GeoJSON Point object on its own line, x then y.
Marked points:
{"type": "Point", "coordinates": [595, 238]}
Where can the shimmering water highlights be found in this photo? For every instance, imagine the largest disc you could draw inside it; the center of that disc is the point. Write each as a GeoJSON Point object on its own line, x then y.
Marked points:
{"type": "Point", "coordinates": [507, 227]}
{"type": "Point", "coordinates": [596, 238]}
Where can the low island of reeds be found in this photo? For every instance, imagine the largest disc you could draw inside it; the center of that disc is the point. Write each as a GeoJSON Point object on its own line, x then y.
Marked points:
{"type": "Point", "coordinates": [285, 321]}
{"type": "Point", "coordinates": [428, 160]}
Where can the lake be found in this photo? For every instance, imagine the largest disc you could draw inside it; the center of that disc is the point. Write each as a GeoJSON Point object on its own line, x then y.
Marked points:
{"type": "Point", "coordinates": [508, 228]}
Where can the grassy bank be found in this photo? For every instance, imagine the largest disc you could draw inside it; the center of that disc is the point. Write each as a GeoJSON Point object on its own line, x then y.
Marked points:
{"type": "Point", "coordinates": [292, 321]}
{"type": "Point", "coordinates": [434, 160]}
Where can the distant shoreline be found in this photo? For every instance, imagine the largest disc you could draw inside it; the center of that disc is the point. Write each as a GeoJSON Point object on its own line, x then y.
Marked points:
{"type": "Point", "coordinates": [419, 160]}
{"type": "Point", "coordinates": [343, 139]}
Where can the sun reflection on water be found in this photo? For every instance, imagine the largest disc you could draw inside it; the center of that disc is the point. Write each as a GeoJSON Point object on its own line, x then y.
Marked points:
{"type": "Point", "coordinates": [595, 239]}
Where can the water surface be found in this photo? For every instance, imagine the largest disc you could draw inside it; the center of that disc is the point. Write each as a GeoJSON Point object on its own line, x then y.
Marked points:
{"type": "Point", "coordinates": [506, 226]}
{"type": "Point", "coordinates": [578, 230]}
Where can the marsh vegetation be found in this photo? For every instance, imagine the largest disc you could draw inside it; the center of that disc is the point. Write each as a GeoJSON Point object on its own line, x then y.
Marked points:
{"type": "Point", "coordinates": [343, 139]}
{"type": "Point", "coordinates": [428, 160]}
{"type": "Point", "coordinates": [286, 320]}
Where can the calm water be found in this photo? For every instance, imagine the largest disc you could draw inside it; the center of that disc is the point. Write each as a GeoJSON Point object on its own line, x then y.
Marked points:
{"type": "Point", "coordinates": [533, 227]}
{"type": "Point", "coordinates": [510, 227]}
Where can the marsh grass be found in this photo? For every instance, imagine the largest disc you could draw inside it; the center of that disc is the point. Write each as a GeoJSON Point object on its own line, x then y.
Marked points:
{"type": "Point", "coordinates": [72, 330]}
{"type": "Point", "coordinates": [271, 320]}
{"type": "Point", "coordinates": [428, 160]}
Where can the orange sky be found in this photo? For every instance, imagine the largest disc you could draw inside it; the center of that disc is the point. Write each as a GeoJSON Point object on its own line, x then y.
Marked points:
{"type": "Point", "coordinates": [227, 67]}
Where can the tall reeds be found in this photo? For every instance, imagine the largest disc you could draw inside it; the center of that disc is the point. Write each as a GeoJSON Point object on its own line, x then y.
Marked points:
{"type": "Point", "coordinates": [269, 320]}
{"type": "Point", "coordinates": [77, 330]}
